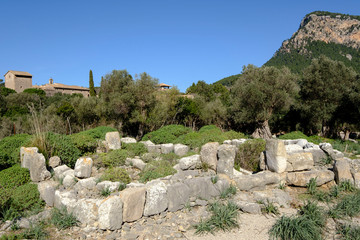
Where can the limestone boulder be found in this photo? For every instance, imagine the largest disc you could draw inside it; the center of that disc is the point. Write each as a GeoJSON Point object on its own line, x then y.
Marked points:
{"type": "Point", "coordinates": [226, 158]}
{"type": "Point", "coordinates": [155, 148]}
{"type": "Point", "coordinates": [293, 148]}
{"type": "Point", "coordinates": [133, 203]}
{"type": "Point", "coordinates": [204, 188]}
{"type": "Point", "coordinates": [83, 167]}
{"type": "Point", "coordinates": [357, 179]}
{"type": "Point", "coordinates": [36, 164]}
{"type": "Point", "coordinates": [257, 181]}
{"type": "Point", "coordinates": [86, 210]}
{"type": "Point", "coordinates": [156, 198]}
{"type": "Point", "coordinates": [47, 192]}
{"type": "Point", "coordinates": [328, 149]}
{"type": "Point", "coordinates": [178, 195]}
{"type": "Point", "coordinates": [302, 142]}
{"type": "Point", "coordinates": [275, 153]}
{"type": "Point", "coordinates": [87, 183]}
{"type": "Point", "coordinates": [111, 186]}
{"type": "Point", "coordinates": [181, 149]}
{"type": "Point", "coordinates": [342, 171]}
{"type": "Point", "coordinates": [208, 154]}
{"type": "Point", "coordinates": [318, 154]}
{"type": "Point", "coordinates": [136, 163]}
{"type": "Point", "coordinates": [128, 140]}
{"type": "Point", "coordinates": [113, 141]}
{"type": "Point", "coordinates": [167, 148]}
{"type": "Point", "coordinates": [54, 162]}
{"type": "Point", "coordinates": [110, 212]}
{"type": "Point", "coordinates": [65, 199]}
{"type": "Point", "coordinates": [299, 161]}
{"type": "Point", "coordinates": [301, 179]}
{"type": "Point", "coordinates": [248, 207]}
{"type": "Point", "coordinates": [190, 162]}
{"type": "Point", "coordinates": [60, 170]}
{"type": "Point", "coordinates": [68, 181]}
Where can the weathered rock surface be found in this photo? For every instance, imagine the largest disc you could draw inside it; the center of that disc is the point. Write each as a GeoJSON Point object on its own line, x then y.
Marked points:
{"type": "Point", "coordinates": [113, 140]}
{"type": "Point", "coordinates": [257, 181]}
{"type": "Point", "coordinates": [35, 162]}
{"type": "Point", "coordinates": [342, 171]}
{"type": "Point", "coordinates": [128, 140]}
{"type": "Point", "coordinates": [110, 213]}
{"type": "Point", "coordinates": [136, 162]}
{"type": "Point", "coordinates": [208, 154]}
{"type": "Point", "coordinates": [83, 167]}
{"type": "Point", "coordinates": [47, 192]}
{"type": "Point", "coordinates": [111, 186]}
{"type": "Point", "coordinates": [167, 148]}
{"type": "Point", "coordinates": [54, 162]}
{"type": "Point", "coordinates": [275, 153]}
{"type": "Point", "coordinates": [328, 149]}
{"type": "Point", "coordinates": [181, 149]}
{"type": "Point", "coordinates": [156, 198]}
{"type": "Point", "coordinates": [190, 162]}
{"type": "Point", "coordinates": [299, 161]}
{"type": "Point", "coordinates": [300, 179]}
{"type": "Point", "coordinates": [60, 170]}
{"type": "Point", "coordinates": [133, 203]}
{"type": "Point", "coordinates": [86, 210]}
{"type": "Point", "coordinates": [65, 199]}
{"type": "Point", "coordinates": [69, 181]}
{"type": "Point", "coordinates": [293, 148]}
{"type": "Point", "coordinates": [178, 195]}
{"type": "Point", "coordinates": [226, 159]}
{"type": "Point", "coordinates": [202, 187]}
{"type": "Point", "coordinates": [253, 208]}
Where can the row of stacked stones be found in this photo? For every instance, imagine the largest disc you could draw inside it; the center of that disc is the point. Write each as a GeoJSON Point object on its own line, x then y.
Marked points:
{"type": "Point", "coordinates": [301, 161]}
{"type": "Point", "coordinates": [293, 161]}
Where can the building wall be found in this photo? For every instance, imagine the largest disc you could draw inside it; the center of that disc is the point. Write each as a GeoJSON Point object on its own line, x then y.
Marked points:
{"type": "Point", "coordinates": [19, 84]}
{"type": "Point", "coordinates": [85, 93]}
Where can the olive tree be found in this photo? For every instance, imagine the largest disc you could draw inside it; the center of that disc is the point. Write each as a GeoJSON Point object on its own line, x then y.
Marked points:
{"type": "Point", "coordinates": [259, 93]}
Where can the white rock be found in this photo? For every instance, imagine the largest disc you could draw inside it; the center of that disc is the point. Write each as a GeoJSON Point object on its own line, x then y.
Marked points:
{"type": "Point", "coordinates": [112, 186]}
{"type": "Point", "coordinates": [113, 140]}
{"type": "Point", "coordinates": [110, 213]}
{"type": "Point", "coordinates": [156, 198]}
{"type": "Point", "coordinates": [128, 140]}
{"type": "Point", "coordinates": [83, 167]}
{"type": "Point", "coordinates": [276, 155]}
{"type": "Point", "coordinates": [190, 162]}
{"type": "Point", "coordinates": [167, 148]}
{"type": "Point", "coordinates": [181, 149]}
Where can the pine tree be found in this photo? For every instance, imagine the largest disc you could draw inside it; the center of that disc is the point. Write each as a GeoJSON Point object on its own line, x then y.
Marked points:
{"type": "Point", "coordinates": [91, 85]}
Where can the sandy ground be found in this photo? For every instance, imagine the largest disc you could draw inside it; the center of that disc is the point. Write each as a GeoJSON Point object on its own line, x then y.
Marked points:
{"type": "Point", "coordinates": [252, 227]}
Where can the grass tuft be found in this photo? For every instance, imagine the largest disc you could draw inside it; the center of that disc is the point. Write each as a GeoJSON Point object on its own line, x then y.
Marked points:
{"type": "Point", "coordinates": [62, 219]}
{"type": "Point", "coordinates": [224, 217]}
{"type": "Point", "coordinates": [230, 191]}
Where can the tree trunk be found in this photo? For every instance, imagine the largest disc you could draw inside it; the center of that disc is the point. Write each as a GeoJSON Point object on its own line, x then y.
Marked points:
{"type": "Point", "coordinates": [262, 131]}
{"type": "Point", "coordinates": [347, 134]}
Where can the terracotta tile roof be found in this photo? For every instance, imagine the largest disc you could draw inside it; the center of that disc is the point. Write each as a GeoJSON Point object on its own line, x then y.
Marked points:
{"type": "Point", "coordinates": [59, 85]}
{"type": "Point", "coordinates": [164, 85]}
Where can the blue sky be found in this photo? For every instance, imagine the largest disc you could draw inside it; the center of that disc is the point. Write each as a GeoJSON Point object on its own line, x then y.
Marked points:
{"type": "Point", "coordinates": [178, 42]}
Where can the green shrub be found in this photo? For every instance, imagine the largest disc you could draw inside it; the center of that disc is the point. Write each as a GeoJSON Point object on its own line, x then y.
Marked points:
{"type": "Point", "coordinates": [84, 143]}
{"type": "Point", "coordinates": [270, 208]}
{"type": "Point", "coordinates": [62, 219]}
{"type": "Point", "coordinates": [10, 149]}
{"type": "Point", "coordinates": [224, 217]}
{"type": "Point", "coordinates": [13, 177]}
{"type": "Point", "coordinates": [115, 158]}
{"type": "Point", "coordinates": [249, 154]}
{"type": "Point", "coordinates": [98, 132]}
{"type": "Point", "coordinates": [295, 228]}
{"type": "Point", "coordinates": [116, 174]}
{"type": "Point", "coordinates": [156, 169]}
{"type": "Point", "coordinates": [233, 135]}
{"type": "Point", "coordinates": [41, 93]}
{"type": "Point", "coordinates": [26, 198]}
{"type": "Point", "coordinates": [136, 149]}
{"type": "Point", "coordinates": [167, 134]}
{"type": "Point", "coordinates": [294, 135]}
{"type": "Point", "coordinates": [105, 192]}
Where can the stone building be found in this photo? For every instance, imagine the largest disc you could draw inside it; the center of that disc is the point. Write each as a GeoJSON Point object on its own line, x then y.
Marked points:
{"type": "Point", "coordinates": [17, 80]}
{"type": "Point", "coordinates": [51, 88]}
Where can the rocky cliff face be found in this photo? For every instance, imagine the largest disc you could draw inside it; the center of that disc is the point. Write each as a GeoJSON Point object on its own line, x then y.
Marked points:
{"type": "Point", "coordinates": [339, 29]}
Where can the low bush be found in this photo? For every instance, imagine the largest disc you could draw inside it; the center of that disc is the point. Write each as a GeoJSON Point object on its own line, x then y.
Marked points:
{"type": "Point", "coordinates": [167, 134]}
{"type": "Point", "coordinates": [98, 132]}
{"type": "Point", "coordinates": [115, 158]}
{"type": "Point", "coordinates": [137, 149]}
{"type": "Point", "coordinates": [26, 198]}
{"type": "Point", "coordinates": [116, 174]}
{"type": "Point", "coordinates": [294, 135]}
{"type": "Point", "coordinates": [10, 149]}
{"type": "Point", "coordinates": [156, 169]}
{"type": "Point", "coordinates": [62, 219]}
{"type": "Point", "coordinates": [346, 146]}
{"type": "Point", "coordinates": [248, 155]}
{"type": "Point", "coordinates": [13, 177]}
{"type": "Point", "coordinates": [84, 143]}
{"type": "Point", "coordinates": [224, 217]}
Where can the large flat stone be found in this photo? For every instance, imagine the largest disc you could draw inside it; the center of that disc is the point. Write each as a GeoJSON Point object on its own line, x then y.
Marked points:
{"type": "Point", "coordinates": [133, 203]}
{"type": "Point", "coordinates": [110, 213]}
{"type": "Point", "coordinates": [301, 179]}
{"type": "Point", "coordinates": [178, 195]}
{"type": "Point", "coordinates": [257, 181]}
{"type": "Point", "coordinates": [275, 153]}
{"type": "Point", "coordinates": [156, 198]}
{"type": "Point", "coordinates": [208, 154]}
{"type": "Point", "coordinates": [299, 161]}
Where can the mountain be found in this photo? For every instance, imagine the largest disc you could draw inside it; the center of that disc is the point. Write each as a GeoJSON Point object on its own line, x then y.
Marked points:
{"type": "Point", "coordinates": [334, 35]}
